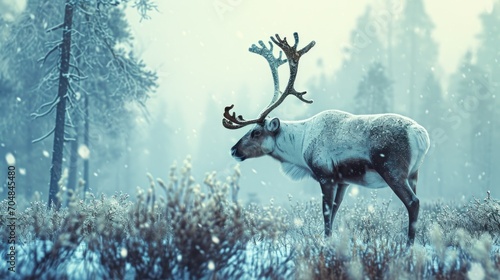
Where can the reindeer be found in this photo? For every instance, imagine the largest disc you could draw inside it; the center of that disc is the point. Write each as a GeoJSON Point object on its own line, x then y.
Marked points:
{"type": "Point", "coordinates": [335, 148]}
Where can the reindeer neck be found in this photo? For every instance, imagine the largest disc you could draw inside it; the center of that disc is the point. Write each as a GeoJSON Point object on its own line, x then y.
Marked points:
{"type": "Point", "coordinates": [289, 143]}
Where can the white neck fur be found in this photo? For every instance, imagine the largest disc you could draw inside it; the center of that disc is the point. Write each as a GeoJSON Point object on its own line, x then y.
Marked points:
{"type": "Point", "coordinates": [289, 150]}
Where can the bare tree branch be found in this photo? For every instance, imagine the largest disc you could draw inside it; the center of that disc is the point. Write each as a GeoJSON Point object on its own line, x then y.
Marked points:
{"type": "Point", "coordinates": [60, 25]}
{"type": "Point", "coordinates": [52, 106]}
{"type": "Point", "coordinates": [44, 136]}
{"type": "Point", "coordinates": [43, 59]}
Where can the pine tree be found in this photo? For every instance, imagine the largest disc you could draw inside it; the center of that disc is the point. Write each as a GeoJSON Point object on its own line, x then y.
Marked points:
{"type": "Point", "coordinates": [374, 91]}
{"type": "Point", "coordinates": [91, 63]}
{"type": "Point", "coordinates": [487, 91]}
{"type": "Point", "coordinates": [364, 49]}
{"type": "Point", "coordinates": [429, 115]}
{"type": "Point", "coordinates": [415, 54]}
{"type": "Point", "coordinates": [116, 90]}
{"type": "Point", "coordinates": [19, 55]}
{"type": "Point", "coordinates": [469, 87]}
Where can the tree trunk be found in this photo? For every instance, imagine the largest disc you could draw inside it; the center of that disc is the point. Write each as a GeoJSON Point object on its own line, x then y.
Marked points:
{"type": "Point", "coordinates": [73, 158]}
{"type": "Point", "coordinates": [57, 152]}
{"type": "Point", "coordinates": [86, 143]}
{"type": "Point", "coordinates": [29, 157]}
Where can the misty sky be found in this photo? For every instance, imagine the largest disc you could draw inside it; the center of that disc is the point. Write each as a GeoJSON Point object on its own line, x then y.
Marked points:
{"type": "Point", "coordinates": [201, 52]}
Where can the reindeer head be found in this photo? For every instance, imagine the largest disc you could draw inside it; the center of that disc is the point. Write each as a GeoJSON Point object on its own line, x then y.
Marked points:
{"type": "Point", "coordinates": [257, 142]}
{"type": "Point", "coordinates": [261, 139]}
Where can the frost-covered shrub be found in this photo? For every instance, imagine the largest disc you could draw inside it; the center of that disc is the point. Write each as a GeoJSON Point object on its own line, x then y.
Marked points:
{"type": "Point", "coordinates": [483, 215]}
{"type": "Point", "coordinates": [181, 229]}
{"type": "Point", "coordinates": [175, 229]}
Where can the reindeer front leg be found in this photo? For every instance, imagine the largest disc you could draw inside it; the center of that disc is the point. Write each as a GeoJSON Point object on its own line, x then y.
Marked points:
{"type": "Point", "coordinates": [328, 189]}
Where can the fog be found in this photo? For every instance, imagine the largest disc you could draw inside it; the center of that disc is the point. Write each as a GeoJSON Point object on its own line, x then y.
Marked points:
{"type": "Point", "coordinates": [199, 50]}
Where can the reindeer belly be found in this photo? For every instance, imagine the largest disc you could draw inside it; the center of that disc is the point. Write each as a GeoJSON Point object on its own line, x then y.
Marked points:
{"type": "Point", "coordinates": [371, 179]}
{"type": "Point", "coordinates": [359, 172]}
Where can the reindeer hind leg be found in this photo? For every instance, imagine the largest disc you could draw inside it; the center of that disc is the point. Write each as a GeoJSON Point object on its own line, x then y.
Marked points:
{"type": "Point", "coordinates": [399, 183]}
{"type": "Point", "coordinates": [412, 180]}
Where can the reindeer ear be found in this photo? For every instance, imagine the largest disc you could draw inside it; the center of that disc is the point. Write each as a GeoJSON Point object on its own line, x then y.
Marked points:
{"type": "Point", "coordinates": [273, 125]}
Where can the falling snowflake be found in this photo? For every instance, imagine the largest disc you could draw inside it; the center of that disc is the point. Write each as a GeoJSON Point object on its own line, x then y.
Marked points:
{"type": "Point", "coordinates": [10, 159]}
{"type": "Point", "coordinates": [211, 265]}
{"type": "Point", "coordinates": [215, 239]}
{"type": "Point", "coordinates": [83, 151]}
{"type": "Point", "coordinates": [124, 252]}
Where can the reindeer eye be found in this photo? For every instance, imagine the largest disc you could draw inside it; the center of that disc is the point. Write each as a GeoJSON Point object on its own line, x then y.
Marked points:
{"type": "Point", "coordinates": [255, 133]}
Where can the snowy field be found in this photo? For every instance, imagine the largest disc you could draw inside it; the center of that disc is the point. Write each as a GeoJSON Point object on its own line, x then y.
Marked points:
{"type": "Point", "coordinates": [183, 230]}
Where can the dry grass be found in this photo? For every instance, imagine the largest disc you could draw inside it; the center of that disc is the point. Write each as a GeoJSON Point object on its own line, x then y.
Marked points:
{"type": "Point", "coordinates": [180, 229]}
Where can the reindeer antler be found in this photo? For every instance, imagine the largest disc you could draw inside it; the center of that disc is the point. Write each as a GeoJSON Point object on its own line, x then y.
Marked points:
{"type": "Point", "coordinates": [274, 63]}
{"type": "Point", "coordinates": [232, 121]}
